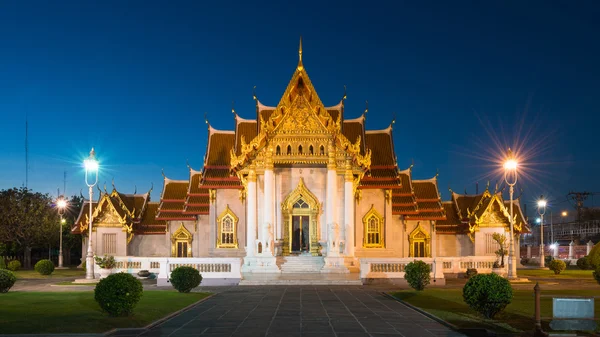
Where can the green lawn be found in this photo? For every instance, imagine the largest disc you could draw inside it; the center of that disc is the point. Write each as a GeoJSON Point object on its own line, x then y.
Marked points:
{"type": "Point", "coordinates": [77, 312]}
{"type": "Point", "coordinates": [58, 273]}
{"type": "Point", "coordinates": [448, 305]}
{"type": "Point", "coordinates": [565, 274]}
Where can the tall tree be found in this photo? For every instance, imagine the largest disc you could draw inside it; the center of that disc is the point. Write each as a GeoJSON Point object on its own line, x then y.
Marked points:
{"type": "Point", "coordinates": [71, 241]}
{"type": "Point", "coordinates": [28, 219]}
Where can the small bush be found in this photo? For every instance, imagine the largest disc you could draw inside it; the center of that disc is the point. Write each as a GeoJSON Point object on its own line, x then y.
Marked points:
{"type": "Point", "coordinates": [596, 274]}
{"type": "Point", "coordinates": [594, 257]}
{"type": "Point", "coordinates": [7, 280]}
{"type": "Point", "coordinates": [417, 274]}
{"type": "Point", "coordinates": [567, 262]}
{"type": "Point", "coordinates": [524, 261]}
{"type": "Point", "coordinates": [2, 263]}
{"type": "Point", "coordinates": [185, 279]}
{"type": "Point", "coordinates": [14, 265]}
{"type": "Point", "coordinates": [557, 266]}
{"type": "Point", "coordinates": [488, 294]}
{"type": "Point", "coordinates": [583, 263]}
{"type": "Point", "coordinates": [44, 267]}
{"type": "Point", "coordinates": [118, 294]}
{"type": "Point", "coordinates": [548, 259]}
{"type": "Point", "coordinates": [471, 272]}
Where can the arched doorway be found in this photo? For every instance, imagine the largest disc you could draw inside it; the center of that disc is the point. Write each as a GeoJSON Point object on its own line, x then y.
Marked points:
{"type": "Point", "coordinates": [300, 210]}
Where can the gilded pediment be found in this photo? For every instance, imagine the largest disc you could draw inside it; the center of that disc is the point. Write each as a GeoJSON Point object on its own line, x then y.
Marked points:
{"type": "Point", "coordinates": [300, 119]}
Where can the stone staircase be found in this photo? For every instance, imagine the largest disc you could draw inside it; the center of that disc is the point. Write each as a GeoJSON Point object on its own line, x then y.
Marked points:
{"type": "Point", "coordinates": [300, 264]}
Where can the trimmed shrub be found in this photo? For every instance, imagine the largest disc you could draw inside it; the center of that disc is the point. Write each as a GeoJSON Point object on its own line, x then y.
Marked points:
{"type": "Point", "coordinates": [118, 294]}
{"type": "Point", "coordinates": [594, 256]}
{"type": "Point", "coordinates": [583, 263]}
{"type": "Point", "coordinates": [567, 262]}
{"type": "Point", "coordinates": [471, 272]}
{"type": "Point", "coordinates": [2, 263]}
{"type": "Point", "coordinates": [14, 265]}
{"type": "Point", "coordinates": [557, 266]}
{"type": "Point", "coordinates": [7, 280]}
{"type": "Point", "coordinates": [548, 259]}
{"type": "Point", "coordinates": [488, 294]}
{"type": "Point", "coordinates": [524, 261]}
{"type": "Point", "coordinates": [417, 274]}
{"type": "Point", "coordinates": [184, 279]}
{"type": "Point", "coordinates": [44, 267]}
{"type": "Point", "coordinates": [596, 274]}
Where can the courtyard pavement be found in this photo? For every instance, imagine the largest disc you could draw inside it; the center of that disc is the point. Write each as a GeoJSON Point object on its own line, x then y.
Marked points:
{"type": "Point", "coordinates": [302, 311]}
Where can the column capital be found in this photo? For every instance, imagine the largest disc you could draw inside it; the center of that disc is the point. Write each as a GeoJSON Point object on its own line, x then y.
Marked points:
{"type": "Point", "coordinates": [269, 158]}
{"type": "Point", "coordinates": [252, 175]}
{"type": "Point", "coordinates": [331, 164]}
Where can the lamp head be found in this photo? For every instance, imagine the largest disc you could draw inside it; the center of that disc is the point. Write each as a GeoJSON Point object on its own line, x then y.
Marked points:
{"type": "Point", "coordinates": [91, 164]}
{"type": "Point", "coordinates": [61, 203]}
{"type": "Point", "coordinates": [538, 220]}
{"type": "Point", "coordinates": [541, 203]}
{"type": "Point", "coordinates": [564, 213]}
{"type": "Point", "coordinates": [511, 163]}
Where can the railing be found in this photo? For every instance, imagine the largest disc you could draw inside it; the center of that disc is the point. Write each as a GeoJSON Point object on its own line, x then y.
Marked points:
{"type": "Point", "coordinates": [209, 268]}
{"type": "Point", "coordinates": [395, 267]}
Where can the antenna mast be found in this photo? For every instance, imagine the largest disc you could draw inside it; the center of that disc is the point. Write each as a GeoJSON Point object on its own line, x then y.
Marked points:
{"type": "Point", "coordinates": [26, 154]}
{"type": "Point", "coordinates": [65, 184]}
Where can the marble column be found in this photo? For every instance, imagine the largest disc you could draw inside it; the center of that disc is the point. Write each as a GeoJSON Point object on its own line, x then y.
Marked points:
{"type": "Point", "coordinates": [529, 251]}
{"type": "Point", "coordinates": [349, 209]}
{"type": "Point", "coordinates": [212, 219]}
{"type": "Point", "coordinates": [572, 250]}
{"type": "Point", "coordinates": [589, 247]}
{"type": "Point", "coordinates": [267, 226]}
{"type": "Point", "coordinates": [332, 249]}
{"type": "Point", "coordinates": [251, 221]}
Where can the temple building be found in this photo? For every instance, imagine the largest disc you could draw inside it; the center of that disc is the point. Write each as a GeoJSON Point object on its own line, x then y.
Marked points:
{"type": "Point", "coordinates": [299, 187]}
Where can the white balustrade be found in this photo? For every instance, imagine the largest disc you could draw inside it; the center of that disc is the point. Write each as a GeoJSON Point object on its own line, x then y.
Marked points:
{"type": "Point", "coordinates": [394, 267]}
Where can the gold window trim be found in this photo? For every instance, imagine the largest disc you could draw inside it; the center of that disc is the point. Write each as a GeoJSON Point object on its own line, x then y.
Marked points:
{"type": "Point", "coordinates": [419, 235]}
{"type": "Point", "coordinates": [227, 212]}
{"type": "Point", "coordinates": [372, 213]}
{"type": "Point", "coordinates": [288, 211]}
{"type": "Point", "coordinates": [181, 235]}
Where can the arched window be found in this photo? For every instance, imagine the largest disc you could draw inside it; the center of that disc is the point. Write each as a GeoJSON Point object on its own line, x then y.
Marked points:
{"type": "Point", "coordinates": [278, 150]}
{"type": "Point", "coordinates": [299, 149]}
{"type": "Point", "coordinates": [310, 149]}
{"type": "Point", "coordinates": [373, 229]}
{"type": "Point", "coordinates": [322, 150]}
{"type": "Point", "coordinates": [181, 242]}
{"type": "Point", "coordinates": [227, 229]}
{"type": "Point", "coordinates": [419, 242]}
{"type": "Point", "coordinates": [289, 150]}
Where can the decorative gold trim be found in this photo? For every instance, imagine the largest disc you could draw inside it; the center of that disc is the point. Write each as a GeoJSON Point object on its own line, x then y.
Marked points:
{"type": "Point", "coordinates": [212, 195]}
{"type": "Point", "coordinates": [372, 213]}
{"type": "Point", "coordinates": [419, 235]}
{"type": "Point", "coordinates": [227, 212]}
{"type": "Point", "coordinates": [288, 211]}
{"type": "Point", "coordinates": [181, 235]}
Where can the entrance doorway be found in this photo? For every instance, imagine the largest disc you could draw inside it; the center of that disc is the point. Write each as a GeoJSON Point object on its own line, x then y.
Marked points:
{"type": "Point", "coordinates": [300, 234]}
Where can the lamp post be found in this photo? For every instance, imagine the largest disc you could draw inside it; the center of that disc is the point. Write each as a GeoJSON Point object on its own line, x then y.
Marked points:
{"type": "Point", "coordinates": [510, 176]}
{"type": "Point", "coordinates": [541, 211]}
{"type": "Point", "coordinates": [91, 169]}
{"type": "Point", "coordinates": [61, 205]}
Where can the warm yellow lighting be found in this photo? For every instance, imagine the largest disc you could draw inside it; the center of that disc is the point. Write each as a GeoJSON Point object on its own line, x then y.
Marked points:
{"type": "Point", "coordinates": [542, 203]}
{"type": "Point", "coordinates": [63, 220]}
{"type": "Point", "coordinates": [564, 213]}
{"type": "Point", "coordinates": [510, 164]}
{"type": "Point", "coordinates": [61, 203]}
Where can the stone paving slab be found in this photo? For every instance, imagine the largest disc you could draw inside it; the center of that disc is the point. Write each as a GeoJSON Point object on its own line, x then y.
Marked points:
{"type": "Point", "coordinates": [302, 311]}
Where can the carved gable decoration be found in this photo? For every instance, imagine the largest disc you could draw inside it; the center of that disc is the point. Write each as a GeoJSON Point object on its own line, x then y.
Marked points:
{"type": "Point", "coordinates": [301, 118]}
{"type": "Point", "coordinates": [494, 215]}
{"type": "Point", "coordinates": [105, 214]}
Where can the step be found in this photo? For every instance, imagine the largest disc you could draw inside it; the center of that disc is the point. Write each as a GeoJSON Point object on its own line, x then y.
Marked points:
{"type": "Point", "coordinates": [299, 282]}
{"type": "Point", "coordinates": [301, 264]}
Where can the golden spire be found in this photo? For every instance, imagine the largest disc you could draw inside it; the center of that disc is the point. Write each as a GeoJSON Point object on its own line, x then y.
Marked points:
{"type": "Point", "coordinates": [300, 50]}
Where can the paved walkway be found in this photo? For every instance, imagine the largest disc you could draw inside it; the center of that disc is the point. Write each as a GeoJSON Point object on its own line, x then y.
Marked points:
{"type": "Point", "coordinates": [311, 311]}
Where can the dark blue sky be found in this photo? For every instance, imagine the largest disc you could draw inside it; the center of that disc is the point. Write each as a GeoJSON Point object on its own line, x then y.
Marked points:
{"type": "Point", "coordinates": [464, 79]}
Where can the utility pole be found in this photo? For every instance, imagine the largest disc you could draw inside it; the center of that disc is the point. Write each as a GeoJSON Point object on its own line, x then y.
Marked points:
{"type": "Point", "coordinates": [26, 154]}
{"type": "Point", "coordinates": [578, 198]}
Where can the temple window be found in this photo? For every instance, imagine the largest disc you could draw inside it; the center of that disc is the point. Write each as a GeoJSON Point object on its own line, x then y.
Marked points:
{"type": "Point", "coordinates": [278, 150]}
{"type": "Point", "coordinates": [373, 229]}
{"type": "Point", "coordinates": [322, 150]}
{"type": "Point", "coordinates": [300, 149]}
{"type": "Point", "coordinates": [227, 229]}
{"type": "Point", "coordinates": [289, 150]}
{"type": "Point", "coordinates": [310, 149]}
{"type": "Point", "coordinates": [181, 242]}
{"type": "Point", "coordinates": [419, 243]}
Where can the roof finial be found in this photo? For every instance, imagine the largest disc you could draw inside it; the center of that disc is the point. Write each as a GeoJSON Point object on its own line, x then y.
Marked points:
{"type": "Point", "coordinates": [437, 173]}
{"type": "Point", "coordinates": [450, 189]}
{"type": "Point", "coordinates": [300, 51]}
{"type": "Point", "coordinates": [412, 160]}
{"type": "Point", "coordinates": [134, 189]}
{"type": "Point", "coordinates": [393, 120]}
{"type": "Point", "coordinates": [105, 187]}
{"type": "Point", "coordinates": [487, 187]}
{"type": "Point", "coordinates": [344, 98]}
{"type": "Point", "coordinates": [366, 108]}
{"type": "Point", "coordinates": [187, 162]}
{"type": "Point", "coordinates": [254, 93]}
{"type": "Point", "coordinates": [465, 190]}
{"type": "Point", "coordinates": [162, 171]}
{"type": "Point", "coordinates": [113, 184]}
{"type": "Point", "coordinates": [233, 107]}
{"type": "Point", "coordinates": [81, 194]}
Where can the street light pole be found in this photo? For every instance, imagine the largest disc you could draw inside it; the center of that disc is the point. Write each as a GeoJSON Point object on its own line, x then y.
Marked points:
{"type": "Point", "coordinates": [61, 204]}
{"type": "Point", "coordinates": [91, 166]}
{"type": "Point", "coordinates": [541, 212]}
{"type": "Point", "coordinates": [510, 176]}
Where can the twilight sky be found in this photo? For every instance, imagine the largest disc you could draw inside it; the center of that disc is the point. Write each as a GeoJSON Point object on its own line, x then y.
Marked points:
{"type": "Point", "coordinates": [465, 80]}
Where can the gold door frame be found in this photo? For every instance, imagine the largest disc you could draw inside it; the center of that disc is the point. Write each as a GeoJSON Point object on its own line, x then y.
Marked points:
{"type": "Point", "coordinates": [288, 211]}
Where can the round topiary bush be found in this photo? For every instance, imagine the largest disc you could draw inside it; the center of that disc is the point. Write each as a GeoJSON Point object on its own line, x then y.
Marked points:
{"type": "Point", "coordinates": [488, 294]}
{"type": "Point", "coordinates": [185, 279]}
{"type": "Point", "coordinates": [557, 266]}
{"type": "Point", "coordinates": [596, 274]}
{"type": "Point", "coordinates": [44, 267]}
{"type": "Point", "coordinates": [471, 272]}
{"type": "Point", "coordinates": [594, 256]}
{"type": "Point", "coordinates": [118, 294]}
{"type": "Point", "coordinates": [14, 265]}
{"type": "Point", "coordinates": [2, 263]}
{"type": "Point", "coordinates": [417, 274]}
{"type": "Point", "coordinates": [7, 280]}
{"type": "Point", "coordinates": [583, 263]}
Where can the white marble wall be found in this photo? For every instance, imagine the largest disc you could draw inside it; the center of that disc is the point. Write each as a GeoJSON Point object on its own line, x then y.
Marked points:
{"type": "Point", "coordinates": [98, 242]}
{"type": "Point", "coordinates": [149, 245]}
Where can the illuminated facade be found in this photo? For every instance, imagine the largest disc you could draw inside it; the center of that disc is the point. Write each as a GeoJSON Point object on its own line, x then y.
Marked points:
{"type": "Point", "coordinates": [299, 180]}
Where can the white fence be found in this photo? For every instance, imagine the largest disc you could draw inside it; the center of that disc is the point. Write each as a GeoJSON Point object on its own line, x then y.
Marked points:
{"type": "Point", "coordinates": [214, 271]}
{"type": "Point", "coordinates": [373, 268]}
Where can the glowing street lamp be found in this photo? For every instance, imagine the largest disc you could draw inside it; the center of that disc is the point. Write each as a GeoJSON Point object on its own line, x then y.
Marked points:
{"type": "Point", "coordinates": [510, 176]}
{"type": "Point", "coordinates": [61, 205]}
{"type": "Point", "coordinates": [541, 211]}
{"type": "Point", "coordinates": [91, 179]}
{"type": "Point", "coordinates": [564, 214]}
